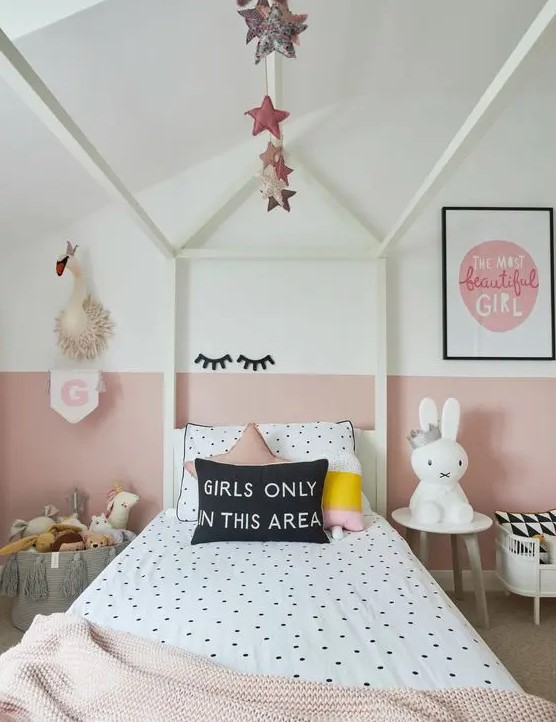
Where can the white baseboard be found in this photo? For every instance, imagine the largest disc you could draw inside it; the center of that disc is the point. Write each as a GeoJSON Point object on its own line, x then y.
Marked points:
{"type": "Point", "coordinates": [445, 578]}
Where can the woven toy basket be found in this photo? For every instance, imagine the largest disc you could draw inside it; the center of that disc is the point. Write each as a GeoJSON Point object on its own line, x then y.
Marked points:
{"type": "Point", "coordinates": [49, 583]}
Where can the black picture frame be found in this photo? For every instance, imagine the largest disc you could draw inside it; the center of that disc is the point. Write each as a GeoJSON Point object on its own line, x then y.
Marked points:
{"type": "Point", "coordinates": [447, 352]}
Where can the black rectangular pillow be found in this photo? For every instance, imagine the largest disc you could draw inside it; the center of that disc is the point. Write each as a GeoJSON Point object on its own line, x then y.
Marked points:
{"type": "Point", "coordinates": [275, 502]}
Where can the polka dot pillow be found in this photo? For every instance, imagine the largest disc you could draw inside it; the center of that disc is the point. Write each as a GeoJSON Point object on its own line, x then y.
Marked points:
{"type": "Point", "coordinates": [295, 442]}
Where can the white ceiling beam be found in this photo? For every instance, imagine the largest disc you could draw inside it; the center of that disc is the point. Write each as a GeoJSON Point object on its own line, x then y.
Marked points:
{"type": "Point", "coordinates": [470, 132]}
{"type": "Point", "coordinates": [263, 253]}
{"type": "Point", "coordinates": [19, 74]}
{"type": "Point", "coordinates": [221, 209]}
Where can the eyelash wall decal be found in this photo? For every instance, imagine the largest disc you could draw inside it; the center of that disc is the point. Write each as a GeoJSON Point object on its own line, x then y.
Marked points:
{"type": "Point", "coordinates": [255, 363]}
{"type": "Point", "coordinates": [213, 362]}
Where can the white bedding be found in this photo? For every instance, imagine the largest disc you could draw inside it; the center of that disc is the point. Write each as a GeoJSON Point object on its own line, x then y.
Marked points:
{"type": "Point", "coordinates": [360, 611]}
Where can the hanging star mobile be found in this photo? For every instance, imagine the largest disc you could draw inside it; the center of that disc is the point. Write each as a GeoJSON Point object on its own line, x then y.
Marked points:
{"type": "Point", "coordinates": [277, 29]}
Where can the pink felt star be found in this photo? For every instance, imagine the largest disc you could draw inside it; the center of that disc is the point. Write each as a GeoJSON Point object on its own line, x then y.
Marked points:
{"type": "Point", "coordinates": [267, 117]}
{"type": "Point", "coordinates": [282, 170]}
{"type": "Point", "coordinates": [269, 156]}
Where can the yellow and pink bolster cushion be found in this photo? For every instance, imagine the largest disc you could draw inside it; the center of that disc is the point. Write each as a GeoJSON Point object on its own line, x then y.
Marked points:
{"type": "Point", "coordinates": [341, 501]}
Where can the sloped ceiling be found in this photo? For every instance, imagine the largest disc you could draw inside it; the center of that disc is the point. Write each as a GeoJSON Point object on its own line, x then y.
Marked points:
{"type": "Point", "coordinates": [162, 85]}
{"type": "Point", "coordinates": [21, 17]}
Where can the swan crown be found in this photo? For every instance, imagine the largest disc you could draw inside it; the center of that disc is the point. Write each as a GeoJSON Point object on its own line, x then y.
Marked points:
{"type": "Point", "coordinates": [70, 250]}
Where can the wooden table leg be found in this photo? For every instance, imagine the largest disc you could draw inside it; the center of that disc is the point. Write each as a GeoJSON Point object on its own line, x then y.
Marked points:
{"type": "Point", "coordinates": [456, 566]}
{"type": "Point", "coordinates": [424, 548]}
{"type": "Point", "coordinates": [411, 539]}
{"type": "Point", "coordinates": [472, 544]}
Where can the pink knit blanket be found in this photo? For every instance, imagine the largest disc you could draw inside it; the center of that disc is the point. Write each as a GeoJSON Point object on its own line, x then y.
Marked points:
{"type": "Point", "coordinates": [67, 669]}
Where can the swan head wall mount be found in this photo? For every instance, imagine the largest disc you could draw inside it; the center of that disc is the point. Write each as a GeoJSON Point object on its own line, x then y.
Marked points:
{"type": "Point", "coordinates": [84, 326]}
{"type": "Point", "coordinates": [66, 258]}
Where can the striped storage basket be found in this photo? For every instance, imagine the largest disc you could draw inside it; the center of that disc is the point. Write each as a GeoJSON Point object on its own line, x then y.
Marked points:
{"type": "Point", "coordinates": [48, 583]}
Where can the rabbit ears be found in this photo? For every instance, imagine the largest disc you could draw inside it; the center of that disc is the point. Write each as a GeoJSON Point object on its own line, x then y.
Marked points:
{"type": "Point", "coordinates": [449, 425]}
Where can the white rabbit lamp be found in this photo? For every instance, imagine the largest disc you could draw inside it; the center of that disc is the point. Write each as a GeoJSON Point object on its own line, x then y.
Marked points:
{"type": "Point", "coordinates": [439, 462]}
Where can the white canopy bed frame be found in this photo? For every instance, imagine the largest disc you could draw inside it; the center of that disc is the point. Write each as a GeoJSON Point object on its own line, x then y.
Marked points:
{"type": "Point", "coordinates": [15, 69]}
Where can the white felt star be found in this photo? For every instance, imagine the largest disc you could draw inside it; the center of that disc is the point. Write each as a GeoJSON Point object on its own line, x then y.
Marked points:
{"type": "Point", "coordinates": [271, 185]}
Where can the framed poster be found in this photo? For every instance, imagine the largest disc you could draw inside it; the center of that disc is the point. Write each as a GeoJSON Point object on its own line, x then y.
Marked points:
{"type": "Point", "coordinates": [498, 283]}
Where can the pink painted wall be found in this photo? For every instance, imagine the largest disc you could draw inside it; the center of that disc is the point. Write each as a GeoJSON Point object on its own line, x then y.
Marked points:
{"type": "Point", "coordinates": [219, 398]}
{"type": "Point", "coordinates": [43, 457]}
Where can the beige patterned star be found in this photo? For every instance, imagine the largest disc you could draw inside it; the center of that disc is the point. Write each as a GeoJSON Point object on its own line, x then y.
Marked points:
{"type": "Point", "coordinates": [271, 185]}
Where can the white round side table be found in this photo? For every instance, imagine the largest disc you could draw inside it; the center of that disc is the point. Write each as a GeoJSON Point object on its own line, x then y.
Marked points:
{"type": "Point", "coordinates": [469, 532]}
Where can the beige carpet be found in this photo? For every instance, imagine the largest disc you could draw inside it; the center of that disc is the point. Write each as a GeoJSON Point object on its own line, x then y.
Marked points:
{"type": "Point", "coordinates": [528, 652]}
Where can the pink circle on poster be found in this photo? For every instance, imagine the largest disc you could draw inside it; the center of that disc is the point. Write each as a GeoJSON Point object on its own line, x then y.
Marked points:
{"type": "Point", "coordinates": [499, 284]}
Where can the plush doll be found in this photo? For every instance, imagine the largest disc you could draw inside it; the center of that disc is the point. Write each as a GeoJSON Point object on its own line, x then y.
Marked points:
{"type": "Point", "coordinates": [35, 526]}
{"type": "Point", "coordinates": [72, 520]}
{"type": "Point", "coordinates": [119, 504]}
{"type": "Point", "coordinates": [95, 541]}
{"type": "Point", "coordinates": [40, 542]}
{"type": "Point", "coordinates": [439, 462]}
{"type": "Point", "coordinates": [77, 546]}
{"type": "Point", "coordinates": [44, 542]}
{"type": "Point", "coordinates": [100, 525]}
{"type": "Point", "coordinates": [67, 539]}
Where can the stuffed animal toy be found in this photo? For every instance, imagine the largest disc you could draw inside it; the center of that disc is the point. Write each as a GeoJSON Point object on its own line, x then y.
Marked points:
{"type": "Point", "coordinates": [67, 537]}
{"type": "Point", "coordinates": [119, 504]}
{"type": "Point", "coordinates": [39, 542]}
{"type": "Point", "coordinates": [35, 526]}
{"type": "Point", "coordinates": [44, 542]}
{"type": "Point", "coordinates": [77, 546]}
{"type": "Point", "coordinates": [95, 541]}
{"type": "Point", "coordinates": [439, 462]}
{"type": "Point", "coordinates": [72, 520]}
{"type": "Point", "coordinates": [100, 525]}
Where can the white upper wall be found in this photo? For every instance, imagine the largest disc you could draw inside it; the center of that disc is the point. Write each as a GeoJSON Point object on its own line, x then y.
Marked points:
{"type": "Point", "coordinates": [125, 272]}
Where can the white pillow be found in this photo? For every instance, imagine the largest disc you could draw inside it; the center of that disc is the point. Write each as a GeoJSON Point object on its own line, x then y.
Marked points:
{"type": "Point", "coordinates": [295, 442]}
{"type": "Point", "coordinates": [334, 441]}
{"type": "Point", "coordinates": [192, 442]}
{"type": "Point", "coordinates": [365, 505]}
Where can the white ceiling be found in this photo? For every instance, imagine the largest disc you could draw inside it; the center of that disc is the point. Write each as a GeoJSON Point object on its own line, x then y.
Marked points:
{"type": "Point", "coordinates": [162, 85]}
{"type": "Point", "coordinates": [41, 186]}
{"type": "Point", "coordinates": [21, 17]}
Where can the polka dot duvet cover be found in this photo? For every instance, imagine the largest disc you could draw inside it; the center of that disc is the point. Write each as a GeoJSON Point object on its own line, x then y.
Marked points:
{"type": "Point", "coordinates": [360, 611]}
